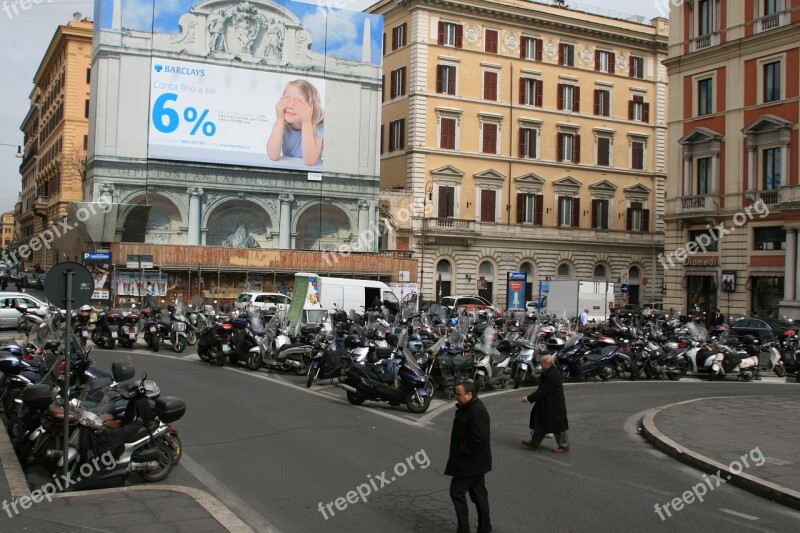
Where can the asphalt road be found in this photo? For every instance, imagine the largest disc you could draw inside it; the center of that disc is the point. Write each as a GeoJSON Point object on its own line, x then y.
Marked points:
{"type": "Point", "coordinates": [273, 451]}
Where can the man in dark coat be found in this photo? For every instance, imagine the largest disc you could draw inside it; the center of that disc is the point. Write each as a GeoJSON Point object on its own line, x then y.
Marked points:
{"type": "Point", "coordinates": [470, 458]}
{"type": "Point", "coordinates": [549, 413]}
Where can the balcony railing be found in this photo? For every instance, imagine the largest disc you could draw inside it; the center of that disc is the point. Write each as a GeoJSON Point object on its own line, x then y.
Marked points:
{"type": "Point", "coordinates": [694, 204]}
{"type": "Point", "coordinates": [449, 224]}
{"type": "Point", "coordinates": [705, 41]}
{"type": "Point", "coordinates": [770, 22]}
{"type": "Point", "coordinates": [770, 197]}
{"type": "Point", "coordinates": [42, 200]}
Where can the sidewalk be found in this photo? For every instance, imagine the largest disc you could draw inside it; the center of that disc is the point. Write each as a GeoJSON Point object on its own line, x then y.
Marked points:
{"type": "Point", "coordinates": [713, 434]}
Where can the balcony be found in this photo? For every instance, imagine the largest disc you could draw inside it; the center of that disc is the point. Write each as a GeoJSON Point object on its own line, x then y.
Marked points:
{"type": "Point", "coordinates": [704, 41]}
{"type": "Point", "coordinates": [694, 204]}
{"type": "Point", "coordinates": [770, 22]}
{"type": "Point", "coordinates": [770, 197]}
{"type": "Point", "coordinates": [449, 230]}
{"type": "Point", "coordinates": [40, 204]}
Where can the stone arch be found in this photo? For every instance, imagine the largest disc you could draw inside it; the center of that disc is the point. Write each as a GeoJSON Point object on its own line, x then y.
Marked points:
{"type": "Point", "coordinates": [164, 224]}
{"type": "Point", "coordinates": [238, 224]}
{"type": "Point", "coordinates": [565, 270]}
{"type": "Point", "coordinates": [326, 227]}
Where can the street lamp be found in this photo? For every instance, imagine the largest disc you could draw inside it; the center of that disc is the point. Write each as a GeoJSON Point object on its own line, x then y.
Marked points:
{"type": "Point", "coordinates": [18, 147]}
{"type": "Point", "coordinates": [427, 196]}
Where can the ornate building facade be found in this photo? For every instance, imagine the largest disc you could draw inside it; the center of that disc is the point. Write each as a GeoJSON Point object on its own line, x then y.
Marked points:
{"type": "Point", "coordinates": [529, 138]}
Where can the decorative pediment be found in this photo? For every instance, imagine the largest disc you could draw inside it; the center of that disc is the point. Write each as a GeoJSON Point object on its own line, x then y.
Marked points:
{"type": "Point", "coordinates": [700, 135]}
{"type": "Point", "coordinates": [529, 183]}
{"type": "Point", "coordinates": [568, 181]}
{"type": "Point", "coordinates": [637, 193]}
{"type": "Point", "coordinates": [767, 123]}
{"type": "Point", "coordinates": [603, 189]}
{"type": "Point", "coordinates": [447, 171]}
{"type": "Point", "coordinates": [490, 174]}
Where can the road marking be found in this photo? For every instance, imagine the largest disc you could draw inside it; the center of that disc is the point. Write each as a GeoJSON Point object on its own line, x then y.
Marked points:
{"type": "Point", "coordinates": [741, 515]}
{"type": "Point", "coordinates": [224, 494]}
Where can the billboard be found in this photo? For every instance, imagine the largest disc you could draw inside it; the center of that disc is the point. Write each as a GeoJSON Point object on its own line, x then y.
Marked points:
{"type": "Point", "coordinates": [99, 264]}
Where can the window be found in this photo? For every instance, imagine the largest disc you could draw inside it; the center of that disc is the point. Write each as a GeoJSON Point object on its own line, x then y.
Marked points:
{"type": "Point", "coordinates": [638, 109]}
{"type": "Point", "coordinates": [446, 79]}
{"type": "Point", "coordinates": [85, 142]}
{"type": "Point", "coordinates": [772, 168]}
{"type": "Point", "coordinates": [706, 17]}
{"type": "Point", "coordinates": [636, 67]}
{"type": "Point", "coordinates": [569, 147]}
{"type": "Point", "coordinates": [489, 138]}
{"type": "Point", "coordinates": [638, 218]}
{"type": "Point", "coordinates": [451, 34]}
{"type": "Point", "coordinates": [603, 151]}
{"type": "Point", "coordinates": [772, 81]}
{"type": "Point", "coordinates": [529, 209]}
{"type": "Point", "coordinates": [637, 155]}
{"type": "Point", "coordinates": [569, 211]}
{"type": "Point", "coordinates": [398, 87]}
{"type": "Point", "coordinates": [398, 36]}
{"type": "Point", "coordinates": [602, 102]}
{"type": "Point", "coordinates": [447, 133]}
{"type": "Point", "coordinates": [705, 238]}
{"type": "Point", "coordinates": [773, 238]}
{"type": "Point", "coordinates": [488, 205]}
{"type": "Point", "coordinates": [528, 145]}
{"type": "Point", "coordinates": [604, 61]}
{"type": "Point", "coordinates": [447, 201]}
{"type": "Point", "coordinates": [88, 75]}
{"type": "Point", "coordinates": [566, 55]}
{"type": "Point", "coordinates": [397, 133]}
{"type": "Point", "coordinates": [772, 6]}
{"type": "Point", "coordinates": [490, 42]}
{"type": "Point", "coordinates": [600, 214]}
{"type": "Point", "coordinates": [703, 176]}
{"type": "Point", "coordinates": [530, 91]}
{"type": "Point", "coordinates": [564, 271]}
{"type": "Point", "coordinates": [569, 97]}
{"type": "Point", "coordinates": [86, 109]}
{"type": "Point", "coordinates": [531, 48]}
{"type": "Point", "coordinates": [704, 97]}
{"type": "Point", "coordinates": [490, 85]}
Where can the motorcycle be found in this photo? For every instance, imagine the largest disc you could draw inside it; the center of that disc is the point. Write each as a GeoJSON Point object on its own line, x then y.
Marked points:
{"type": "Point", "coordinates": [106, 329]}
{"type": "Point", "coordinates": [577, 360]}
{"type": "Point", "coordinates": [327, 361]}
{"type": "Point", "coordinates": [213, 343]}
{"type": "Point", "coordinates": [155, 329]}
{"type": "Point", "coordinates": [129, 328]}
{"type": "Point", "coordinates": [244, 340]}
{"type": "Point", "coordinates": [284, 352]}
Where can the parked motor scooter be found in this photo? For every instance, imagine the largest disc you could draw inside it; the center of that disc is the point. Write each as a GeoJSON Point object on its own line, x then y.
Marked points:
{"type": "Point", "coordinates": [129, 327]}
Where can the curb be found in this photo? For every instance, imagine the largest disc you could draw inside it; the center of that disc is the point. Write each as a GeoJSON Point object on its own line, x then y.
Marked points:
{"type": "Point", "coordinates": [756, 485]}
{"type": "Point", "coordinates": [18, 486]}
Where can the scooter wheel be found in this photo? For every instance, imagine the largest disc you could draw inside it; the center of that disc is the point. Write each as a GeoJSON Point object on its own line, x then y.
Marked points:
{"type": "Point", "coordinates": [166, 461]}
{"type": "Point", "coordinates": [606, 373]}
{"type": "Point", "coordinates": [417, 403]}
{"type": "Point", "coordinates": [354, 398]}
{"type": "Point", "coordinates": [312, 373]}
{"type": "Point", "coordinates": [180, 344]}
{"type": "Point", "coordinates": [478, 382]}
{"type": "Point", "coordinates": [155, 342]}
{"type": "Point", "coordinates": [109, 342]}
{"type": "Point", "coordinates": [191, 338]}
{"type": "Point", "coordinates": [430, 387]}
{"type": "Point", "coordinates": [779, 370]}
{"type": "Point", "coordinates": [253, 361]}
{"type": "Point", "coordinates": [215, 356]}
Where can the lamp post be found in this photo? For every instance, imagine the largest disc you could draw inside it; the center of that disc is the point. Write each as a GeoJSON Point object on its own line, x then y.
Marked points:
{"type": "Point", "coordinates": [426, 196]}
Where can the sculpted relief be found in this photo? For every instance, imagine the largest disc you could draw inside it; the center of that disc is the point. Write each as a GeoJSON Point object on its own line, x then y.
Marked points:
{"type": "Point", "coordinates": [244, 24]}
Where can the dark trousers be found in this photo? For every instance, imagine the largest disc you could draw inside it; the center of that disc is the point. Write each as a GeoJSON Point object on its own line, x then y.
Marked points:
{"type": "Point", "coordinates": [476, 486]}
{"type": "Point", "coordinates": [562, 439]}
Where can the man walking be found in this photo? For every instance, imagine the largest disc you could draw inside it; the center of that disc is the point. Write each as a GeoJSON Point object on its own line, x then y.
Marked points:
{"type": "Point", "coordinates": [470, 457]}
{"type": "Point", "coordinates": [549, 413]}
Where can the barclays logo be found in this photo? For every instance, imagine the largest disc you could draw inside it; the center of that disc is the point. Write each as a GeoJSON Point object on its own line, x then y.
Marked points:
{"type": "Point", "coordinates": [186, 71]}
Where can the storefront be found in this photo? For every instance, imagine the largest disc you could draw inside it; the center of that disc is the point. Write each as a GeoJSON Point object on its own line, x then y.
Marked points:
{"type": "Point", "coordinates": [766, 292]}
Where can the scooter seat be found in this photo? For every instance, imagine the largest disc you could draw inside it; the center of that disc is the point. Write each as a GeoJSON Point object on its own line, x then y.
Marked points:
{"type": "Point", "coordinates": [594, 356]}
{"type": "Point", "coordinates": [460, 361]}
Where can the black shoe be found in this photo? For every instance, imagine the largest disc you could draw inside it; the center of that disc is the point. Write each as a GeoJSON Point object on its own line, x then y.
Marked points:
{"type": "Point", "coordinates": [530, 444]}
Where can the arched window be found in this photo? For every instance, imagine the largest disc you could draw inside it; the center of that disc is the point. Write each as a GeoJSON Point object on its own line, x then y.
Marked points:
{"type": "Point", "coordinates": [599, 273]}
{"type": "Point", "coordinates": [564, 271]}
{"type": "Point", "coordinates": [527, 268]}
{"type": "Point", "coordinates": [486, 280]}
{"type": "Point", "coordinates": [443, 279]}
{"type": "Point", "coordinates": [634, 274]}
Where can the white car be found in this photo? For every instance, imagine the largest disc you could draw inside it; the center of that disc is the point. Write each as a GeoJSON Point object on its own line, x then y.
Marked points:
{"type": "Point", "coordinates": [268, 301]}
{"type": "Point", "coordinates": [10, 301]}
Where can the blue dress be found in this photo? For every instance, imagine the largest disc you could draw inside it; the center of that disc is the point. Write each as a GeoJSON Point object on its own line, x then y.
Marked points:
{"type": "Point", "coordinates": [293, 141]}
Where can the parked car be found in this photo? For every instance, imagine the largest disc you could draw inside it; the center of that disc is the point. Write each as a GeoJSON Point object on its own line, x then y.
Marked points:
{"type": "Point", "coordinates": [40, 281]}
{"type": "Point", "coordinates": [266, 301]}
{"type": "Point", "coordinates": [9, 301]}
{"type": "Point", "coordinates": [469, 303]}
{"type": "Point", "coordinates": [762, 328]}
{"type": "Point", "coordinates": [31, 280]}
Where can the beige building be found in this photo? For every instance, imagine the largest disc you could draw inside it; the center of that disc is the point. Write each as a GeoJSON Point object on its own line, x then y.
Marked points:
{"type": "Point", "coordinates": [7, 228]}
{"type": "Point", "coordinates": [732, 219]}
{"type": "Point", "coordinates": [532, 137]}
{"type": "Point", "coordinates": [55, 130]}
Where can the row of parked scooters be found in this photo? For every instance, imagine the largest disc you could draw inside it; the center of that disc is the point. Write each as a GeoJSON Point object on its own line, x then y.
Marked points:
{"type": "Point", "coordinates": [111, 414]}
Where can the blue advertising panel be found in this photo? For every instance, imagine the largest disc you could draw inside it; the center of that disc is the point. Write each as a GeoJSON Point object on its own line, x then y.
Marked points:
{"type": "Point", "coordinates": [515, 289]}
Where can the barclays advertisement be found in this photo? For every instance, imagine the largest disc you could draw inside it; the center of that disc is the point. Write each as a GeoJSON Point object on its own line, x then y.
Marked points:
{"type": "Point", "coordinates": [263, 83]}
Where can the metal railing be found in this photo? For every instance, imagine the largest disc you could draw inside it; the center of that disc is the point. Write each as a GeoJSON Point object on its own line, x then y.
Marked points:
{"type": "Point", "coordinates": [449, 224]}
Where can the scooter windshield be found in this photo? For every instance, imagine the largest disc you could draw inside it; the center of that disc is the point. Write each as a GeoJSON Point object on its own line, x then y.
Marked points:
{"type": "Point", "coordinates": [697, 331]}
{"type": "Point", "coordinates": [575, 339]}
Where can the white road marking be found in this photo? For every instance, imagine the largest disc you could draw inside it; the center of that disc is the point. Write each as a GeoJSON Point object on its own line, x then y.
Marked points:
{"type": "Point", "coordinates": [741, 515]}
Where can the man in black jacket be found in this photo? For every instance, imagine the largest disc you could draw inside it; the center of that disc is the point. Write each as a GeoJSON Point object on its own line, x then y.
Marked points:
{"type": "Point", "coordinates": [470, 457]}
{"type": "Point", "coordinates": [549, 413]}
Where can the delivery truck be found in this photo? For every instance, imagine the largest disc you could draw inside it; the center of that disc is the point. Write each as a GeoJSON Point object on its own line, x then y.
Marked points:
{"type": "Point", "coordinates": [568, 298]}
{"type": "Point", "coordinates": [313, 292]}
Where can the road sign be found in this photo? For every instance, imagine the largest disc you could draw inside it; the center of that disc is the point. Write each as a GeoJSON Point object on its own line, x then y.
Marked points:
{"type": "Point", "coordinates": [644, 282]}
{"type": "Point", "coordinates": [55, 286]}
{"type": "Point", "coordinates": [623, 288]}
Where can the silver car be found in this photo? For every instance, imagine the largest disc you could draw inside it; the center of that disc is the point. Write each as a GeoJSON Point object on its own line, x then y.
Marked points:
{"type": "Point", "coordinates": [10, 301]}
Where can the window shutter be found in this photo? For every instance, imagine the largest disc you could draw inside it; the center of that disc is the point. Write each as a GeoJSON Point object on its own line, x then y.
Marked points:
{"type": "Point", "coordinates": [560, 147]}
{"type": "Point", "coordinates": [560, 96]}
{"type": "Point", "coordinates": [538, 208]}
{"type": "Point", "coordinates": [646, 112]}
{"type": "Point", "coordinates": [522, 87]}
{"type": "Point", "coordinates": [539, 90]}
{"type": "Point", "coordinates": [451, 85]}
{"type": "Point", "coordinates": [597, 59]}
{"type": "Point", "coordinates": [560, 205]}
{"type": "Point", "coordinates": [439, 78]}
{"type": "Point", "coordinates": [391, 136]}
{"type": "Point", "coordinates": [521, 142]}
{"type": "Point", "coordinates": [576, 149]}
{"type": "Point", "coordinates": [491, 42]}
{"type": "Point", "coordinates": [459, 36]}
{"type": "Point", "coordinates": [576, 99]}
{"type": "Point", "coordinates": [403, 78]}
{"type": "Point", "coordinates": [523, 48]}
{"type": "Point", "coordinates": [630, 109]}
{"type": "Point", "coordinates": [645, 220]}
{"type": "Point", "coordinates": [402, 133]}
{"type": "Point", "coordinates": [637, 156]}
{"type": "Point", "coordinates": [394, 38]}
{"type": "Point", "coordinates": [632, 67]}
{"type": "Point", "coordinates": [383, 88]}
{"type": "Point", "coordinates": [441, 32]}
{"type": "Point", "coordinates": [403, 40]}
{"type": "Point", "coordinates": [612, 66]}
{"type": "Point", "coordinates": [393, 83]}
{"type": "Point", "coordinates": [597, 101]}
{"type": "Point", "coordinates": [520, 208]}
{"type": "Point", "coordinates": [538, 49]}
{"type": "Point", "coordinates": [560, 54]}
{"type": "Point", "coordinates": [383, 44]}
{"type": "Point", "coordinates": [487, 205]}
{"type": "Point", "coordinates": [443, 197]}
{"type": "Point", "coordinates": [629, 223]}
{"type": "Point", "coordinates": [594, 214]}
{"type": "Point", "coordinates": [576, 213]}
{"type": "Point", "coordinates": [381, 138]}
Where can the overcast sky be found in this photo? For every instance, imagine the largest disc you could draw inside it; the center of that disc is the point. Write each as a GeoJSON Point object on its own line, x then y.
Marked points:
{"type": "Point", "coordinates": [25, 34]}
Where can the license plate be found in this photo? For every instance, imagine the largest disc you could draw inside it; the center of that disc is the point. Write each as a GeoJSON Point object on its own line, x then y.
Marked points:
{"type": "Point", "coordinates": [84, 333]}
{"type": "Point", "coordinates": [114, 335]}
{"type": "Point", "coordinates": [132, 336]}
{"type": "Point", "coordinates": [226, 348]}
{"type": "Point", "coordinates": [153, 329]}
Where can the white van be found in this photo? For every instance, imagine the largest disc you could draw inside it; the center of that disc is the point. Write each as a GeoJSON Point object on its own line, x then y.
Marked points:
{"type": "Point", "coordinates": [346, 294]}
{"type": "Point", "coordinates": [266, 301]}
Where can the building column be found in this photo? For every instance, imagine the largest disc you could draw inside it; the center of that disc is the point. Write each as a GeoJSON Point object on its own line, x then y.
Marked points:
{"type": "Point", "coordinates": [789, 290]}
{"type": "Point", "coordinates": [785, 155]}
{"type": "Point", "coordinates": [714, 189]}
{"type": "Point", "coordinates": [285, 235]}
{"type": "Point", "coordinates": [363, 224]}
{"type": "Point", "coordinates": [195, 215]}
{"type": "Point", "coordinates": [687, 175]}
{"type": "Point", "coordinates": [752, 173]}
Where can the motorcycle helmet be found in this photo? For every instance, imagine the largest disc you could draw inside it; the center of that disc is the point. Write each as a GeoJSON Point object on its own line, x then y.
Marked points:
{"type": "Point", "coordinates": [85, 308]}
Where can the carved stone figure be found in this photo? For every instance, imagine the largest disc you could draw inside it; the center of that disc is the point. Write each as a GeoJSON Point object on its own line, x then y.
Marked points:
{"type": "Point", "coordinates": [241, 238]}
{"type": "Point", "coordinates": [106, 192]}
{"type": "Point", "coordinates": [275, 34]}
{"type": "Point", "coordinates": [217, 21]}
{"type": "Point", "coordinates": [247, 23]}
